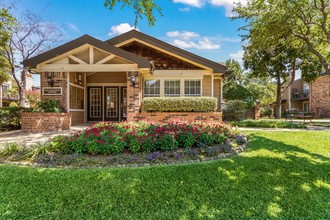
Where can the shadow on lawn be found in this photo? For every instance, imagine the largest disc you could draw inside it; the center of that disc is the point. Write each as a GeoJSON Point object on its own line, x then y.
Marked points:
{"type": "Point", "coordinates": [270, 180]}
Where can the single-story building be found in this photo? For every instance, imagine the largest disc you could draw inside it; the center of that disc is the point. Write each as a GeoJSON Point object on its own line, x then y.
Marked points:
{"type": "Point", "coordinates": [107, 81]}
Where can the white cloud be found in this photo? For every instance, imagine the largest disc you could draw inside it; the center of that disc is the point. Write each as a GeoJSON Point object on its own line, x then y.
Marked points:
{"type": "Point", "coordinates": [191, 40]}
{"type": "Point", "coordinates": [186, 35]}
{"type": "Point", "coordinates": [203, 44]}
{"type": "Point", "coordinates": [238, 56]}
{"type": "Point", "coordinates": [73, 27]}
{"type": "Point", "coordinates": [184, 9]}
{"type": "Point", "coordinates": [227, 4]}
{"type": "Point", "coordinates": [120, 29]}
{"type": "Point", "coordinates": [194, 3]}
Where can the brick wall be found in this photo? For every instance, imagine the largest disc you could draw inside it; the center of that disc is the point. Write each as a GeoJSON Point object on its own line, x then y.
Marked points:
{"type": "Point", "coordinates": [320, 96]}
{"type": "Point", "coordinates": [134, 96]}
{"type": "Point", "coordinates": [45, 122]}
{"type": "Point", "coordinates": [60, 80]}
{"type": "Point", "coordinates": [163, 117]}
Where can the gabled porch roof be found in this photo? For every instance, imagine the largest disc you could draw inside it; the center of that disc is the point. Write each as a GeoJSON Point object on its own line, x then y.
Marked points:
{"type": "Point", "coordinates": [85, 39]}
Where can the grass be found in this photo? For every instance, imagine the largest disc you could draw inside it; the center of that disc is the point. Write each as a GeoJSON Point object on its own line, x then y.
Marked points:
{"type": "Point", "coordinates": [267, 124]}
{"type": "Point", "coordinates": [282, 175]}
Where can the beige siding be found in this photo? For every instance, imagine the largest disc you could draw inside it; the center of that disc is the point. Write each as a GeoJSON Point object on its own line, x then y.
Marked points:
{"type": "Point", "coordinates": [297, 104]}
{"type": "Point", "coordinates": [77, 118]}
{"type": "Point", "coordinates": [207, 86]}
{"type": "Point", "coordinates": [107, 78]}
{"type": "Point", "coordinates": [217, 92]}
{"type": "Point", "coordinates": [74, 78]}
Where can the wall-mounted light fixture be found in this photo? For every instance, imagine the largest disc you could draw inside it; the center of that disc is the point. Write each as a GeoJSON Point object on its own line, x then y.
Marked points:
{"type": "Point", "coordinates": [50, 80]}
{"type": "Point", "coordinates": [133, 76]}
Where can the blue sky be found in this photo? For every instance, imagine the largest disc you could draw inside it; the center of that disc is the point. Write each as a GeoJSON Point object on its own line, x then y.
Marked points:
{"type": "Point", "coordinates": [199, 26]}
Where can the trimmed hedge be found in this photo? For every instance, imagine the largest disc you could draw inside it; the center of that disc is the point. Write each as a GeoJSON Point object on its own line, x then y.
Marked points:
{"type": "Point", "coordinates": [179, 104]}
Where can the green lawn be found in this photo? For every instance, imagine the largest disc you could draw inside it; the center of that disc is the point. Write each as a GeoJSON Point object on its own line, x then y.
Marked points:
{"type": "Point", "coordinates": [283, 175]}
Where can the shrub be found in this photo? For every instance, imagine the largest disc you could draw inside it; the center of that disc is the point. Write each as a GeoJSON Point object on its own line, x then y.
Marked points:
{"type": "Point", "coordinates": [234, 110]}
{"type": "Point", "coordinates": [9, 149]}
{"type": "Point", "coordinates": [115, 138]}
{"type": "Point", "coordinates": [179, 104]}
{"type": "Point", "coordinates": [48, 105]}
{"type": "Point", "coordinates": [266, 112]}
{"type": "Point", "coordinates": [10, 117]}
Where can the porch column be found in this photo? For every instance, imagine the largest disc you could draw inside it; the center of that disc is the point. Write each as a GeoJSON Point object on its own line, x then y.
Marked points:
{"type": "Point", "coordinates": [134, 95]}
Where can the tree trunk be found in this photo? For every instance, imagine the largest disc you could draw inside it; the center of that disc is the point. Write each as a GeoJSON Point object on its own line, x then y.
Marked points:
{"type": "Point", "coordinates": [0, 95]}
{"type": "Point", "coordinates": [278, 97]}
{"type": "Point", "coordinates": [22, 87]}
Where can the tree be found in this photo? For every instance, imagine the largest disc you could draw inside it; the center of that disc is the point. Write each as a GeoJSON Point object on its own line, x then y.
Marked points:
{"type": "Point", "coordinates": [245, 86]}
{"type": "Point", "coordinates": [30, 37]}
{"type": "Point", "coordinates": [141, 8]}
{"type": "Point", "coordinates": [307, 21]}
{"type": "Point", "coordinates": [279, 63]}
{"type": "Point", "coordinates": [274, 48]}
{"type": "Point", "coordinates": [6, 23]}
{"type": "Point", "coordinates": [237, 74]}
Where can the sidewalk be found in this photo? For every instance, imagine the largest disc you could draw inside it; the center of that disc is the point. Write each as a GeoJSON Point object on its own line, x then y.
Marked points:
{"type": "Point", "coordinates": [33, 138]}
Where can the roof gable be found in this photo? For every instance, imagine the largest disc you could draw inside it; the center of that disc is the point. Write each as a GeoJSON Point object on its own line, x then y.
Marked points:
{"type": "Point", "coordinates": [217, 67]}
{"type": "Point", "coordinates": [86, 39]}
{"type": "Point", "coordinates": [162, 60]}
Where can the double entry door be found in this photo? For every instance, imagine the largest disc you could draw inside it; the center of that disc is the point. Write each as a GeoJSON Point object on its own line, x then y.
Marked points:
{"type": "Point", "coordinates": [107, 103]}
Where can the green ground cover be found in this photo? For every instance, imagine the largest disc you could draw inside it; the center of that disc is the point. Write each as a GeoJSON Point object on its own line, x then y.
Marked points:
{"type": "Point", "coordinates": [267, 124]}
{"type": "Point", "coordinates": [282, 175]}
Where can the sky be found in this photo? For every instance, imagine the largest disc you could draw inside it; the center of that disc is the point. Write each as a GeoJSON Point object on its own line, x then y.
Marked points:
{"type": "Point", "coordinates": [202, 27]}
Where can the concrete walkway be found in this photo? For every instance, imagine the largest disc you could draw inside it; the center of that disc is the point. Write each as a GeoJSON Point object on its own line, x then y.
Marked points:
{"type": "Point", "coordinates": [33, 138]}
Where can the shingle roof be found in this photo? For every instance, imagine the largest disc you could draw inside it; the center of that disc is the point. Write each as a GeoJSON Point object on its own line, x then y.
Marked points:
{"type": "Point", "coordinates": [217, 67]}
{"type": "Point", "coordinates": [86, 39]}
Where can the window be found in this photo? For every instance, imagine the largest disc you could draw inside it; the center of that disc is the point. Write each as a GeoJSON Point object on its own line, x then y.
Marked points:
{"type": "Point", "coordinates": [76, 98]}
{"type": "Point", "coordinates": [152, 88]}
{"type": "Point", "coordinates": [172, 87]}
{"type": "Point", "coordinates": [306, 89]}
{"type": "Point", "coordinates": [192, 87]}
{"type": "Point", "coordinates": [306, 107]}
{"type": "Point", "coordinates": [4, 89]}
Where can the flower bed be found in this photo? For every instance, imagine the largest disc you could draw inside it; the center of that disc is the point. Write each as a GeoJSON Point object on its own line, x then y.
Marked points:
{"type": "Point", "coordinates": [115, 138]}
{"type": "Point", "coordinates": [131, 144]}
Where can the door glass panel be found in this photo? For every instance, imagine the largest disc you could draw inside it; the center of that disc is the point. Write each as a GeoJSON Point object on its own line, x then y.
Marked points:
{"type": "Point", "coordinates": [124, 102]}
{"type": "Point", "coordinates": [95, 103]}
{"type": "Point", "coordinates": [111, 102]}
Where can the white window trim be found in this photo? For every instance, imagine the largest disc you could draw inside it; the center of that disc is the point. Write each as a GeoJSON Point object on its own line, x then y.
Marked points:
{"type": "Point", "coordinates": [193, 95]}
{"type": "Point", "coordinates": [80, 87]}
{"type": "Point", "coordinates": [181, 88]}
{"type": "Point", "coordinates": [149, 94]}
{"type": "Point", "coordinates": [182, 79]}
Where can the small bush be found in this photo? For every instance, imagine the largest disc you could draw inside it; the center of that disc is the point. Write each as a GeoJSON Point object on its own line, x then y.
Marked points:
{"type": "Point", "coordinates": [48, 105]}
{"type": "Point", "coordinates": [10, 117]}
{"type": "Point", "coordinates": [9, 149]}
{"type": "Point", "coordinates": [39, 149]}
{"type": "Point", "coordinates": [265, 112]}
{"type": "Point", "coordinates": [234, 110]}
{"type": "Point", "coordinates": [179, 104]}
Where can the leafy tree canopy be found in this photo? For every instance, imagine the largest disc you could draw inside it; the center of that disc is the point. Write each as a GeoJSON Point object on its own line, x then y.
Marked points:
{"type": "Point", "coordinates": [305, 22]}
{"type": "Point", "coordinates": [141, 7]}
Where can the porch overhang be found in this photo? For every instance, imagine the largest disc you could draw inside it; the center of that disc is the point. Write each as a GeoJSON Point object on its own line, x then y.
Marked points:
{"type": "Point", "coordinates": [87, 67]}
